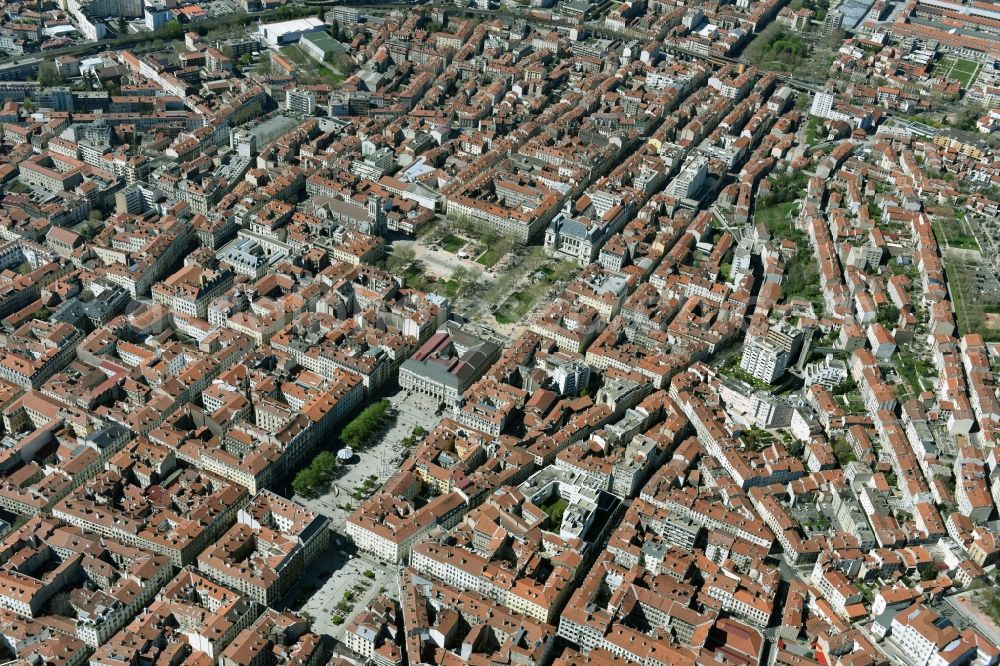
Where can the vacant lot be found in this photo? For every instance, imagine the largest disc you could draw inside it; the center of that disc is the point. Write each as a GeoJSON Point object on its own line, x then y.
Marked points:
{"type": "Point", "coordinates": [779, 220]}
{"type": "Point", "coordinates": [310, 70]}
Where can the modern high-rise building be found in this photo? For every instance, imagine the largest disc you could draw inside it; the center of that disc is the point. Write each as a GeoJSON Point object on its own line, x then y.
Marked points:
{"type": "Point", "coordinates": [300, 101]}
{"type": "Point", "coordinates": [766, 357]}
{"type": "Point", "coordinates": [764, 360]}
{"type": "Point", "coordinates": [572, 377]}
{"type": "Point", "coordinates": [690, 179]}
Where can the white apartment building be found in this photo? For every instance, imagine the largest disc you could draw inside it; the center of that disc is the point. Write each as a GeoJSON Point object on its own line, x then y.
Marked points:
{"type": "Point", "coordinates": [300, 101]}
{"type": "Point", "coordinates": [929, 639]}
{"type": "Point", "coordinates": [763, 360]}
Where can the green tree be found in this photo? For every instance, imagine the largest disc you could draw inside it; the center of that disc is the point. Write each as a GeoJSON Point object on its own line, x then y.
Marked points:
{"type": "Point", "coordinates": [401, 258]}
{"type": "Point", "coordinates": [172, 30]}
{"type": "Point", "coordinates": [842, 451]}
{"type": "Point", "coordinates": [306, 482]}
{"type": "Point", "coordinates": [48, 74]}
{"type": "Point", "coordinates": [324, 464]}
{"type": "Point", "coordinates": [888, 315]}
{"type": "Point", "coordinates": [365, 424]}
{"type": "Point", "coordinates": [966, 119]}
{"type": "Point", "coordinates": [845, 387]}
{"type": "Point", "coordinates": [60, 604]}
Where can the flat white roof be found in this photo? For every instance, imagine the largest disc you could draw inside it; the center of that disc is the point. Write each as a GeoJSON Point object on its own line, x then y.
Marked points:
{"type": "Point", "coordinates": [58, 30]}
{"type": "Point", "coordinates": [295, 25]}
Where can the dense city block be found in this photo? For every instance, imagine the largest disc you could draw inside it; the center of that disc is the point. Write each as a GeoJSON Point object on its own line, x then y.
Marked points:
{"type": "Point", "coordinates": [503, 332]}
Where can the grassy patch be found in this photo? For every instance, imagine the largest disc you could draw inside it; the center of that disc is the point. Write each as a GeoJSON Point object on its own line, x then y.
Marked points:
{"type": "Point", "coordinates": [778, 48]}
{"type": "Point", "coordinates": [802, 278]}
{"type": "Point", "coordinates": [912, 369]}
{"type": "Point", "coordinates": [296, 55]}
{"type": "Point", "coordinates": [555, 510]}
{"type": "Point", "coordinates": [971, 284]}
{"type": "Point", "coordinates": [801, 271]}
{"type": "Point", "coordinates": [943, 66]}
{"type": "Point", "coordinates": [491, 256]}
{"type": "Point", "coordinates": [447, 288]}
{"type": "Point", "coordinates": [965, 71]}
{"type": "Point", "coordinates": [989, 603]}
{"type": "Point", "coordinates": [975, 311]}
{"type": "Point", "coordinates": [853, 404]}
{"type": "Point", "coordinates": [311, 70]}
{"type": "Point", "coordinates": [965, 78]}
{"type": "Point", "coordinates": [962, 70]}
{"type": "Point", "coordinates": [954, 232]}
{"type": "Point", "coordinates": [778, 220]}
{"type": "Point", "coordinates": [515, 307]}
{"type": "Point", "coordinates": [963, 241]}
{"type": "Point", "coordinates": [452, 243]}
{"type": "Point", "coordinates": [812, 130]}
{"type": "Point", "coordinates": [966, 65]}
{"type": "Point", "coordinates": [927, 119]}
{"type": "Point", "coordinates": [785, 188]}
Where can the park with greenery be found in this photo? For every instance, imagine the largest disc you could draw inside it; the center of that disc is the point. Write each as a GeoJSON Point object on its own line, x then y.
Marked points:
{"type": "Point", "coordinates": [309, 480]}
{"type": "Point", "coordinates": [778, 48]}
